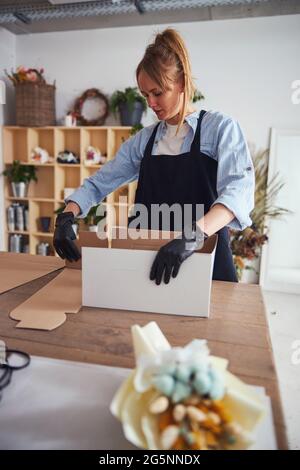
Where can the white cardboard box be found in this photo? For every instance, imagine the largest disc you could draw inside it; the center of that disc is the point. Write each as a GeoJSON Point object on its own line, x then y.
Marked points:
{"type": "Point", "coordinates": [118, 278]}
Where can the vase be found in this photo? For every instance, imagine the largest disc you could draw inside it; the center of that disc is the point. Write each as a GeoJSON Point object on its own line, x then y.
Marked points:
{"type": "Point", "coordinates": [131, 117]}
{"type": "Point", "coordinates": [19, 189]}
{"type": "Point", "coordinates": [250, 274]}
{"type": "Point", "coordinates": [45, 224]}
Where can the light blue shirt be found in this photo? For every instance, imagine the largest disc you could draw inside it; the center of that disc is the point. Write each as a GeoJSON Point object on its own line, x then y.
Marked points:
{"type": "Point", "coordinates": [221, 139]}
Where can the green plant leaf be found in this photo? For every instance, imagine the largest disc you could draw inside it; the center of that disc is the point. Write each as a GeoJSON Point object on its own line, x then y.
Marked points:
{"type": "Point", "coordinates": [18, 173]}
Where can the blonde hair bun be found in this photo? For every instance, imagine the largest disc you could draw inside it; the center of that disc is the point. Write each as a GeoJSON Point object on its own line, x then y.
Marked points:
{"type": "Point", "coordinates": [167, 59]}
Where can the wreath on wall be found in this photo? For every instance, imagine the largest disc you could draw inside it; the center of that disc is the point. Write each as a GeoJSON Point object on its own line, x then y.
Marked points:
{"type": "Point", "coordinates": [98, 108]}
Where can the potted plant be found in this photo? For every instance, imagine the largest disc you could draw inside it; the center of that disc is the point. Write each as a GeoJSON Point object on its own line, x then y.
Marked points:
{"type": "Point", "coordinates": [246, 245]}
{"type": "Point", "coordinates": [20, 177]}
{"type": "Point", "coordinates": [92, 218]}
{"type": "Point", "coordinates": [131, 105]}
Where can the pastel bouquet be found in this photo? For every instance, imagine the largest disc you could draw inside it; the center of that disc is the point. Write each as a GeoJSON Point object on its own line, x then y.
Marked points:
{"type": "Point", "coordinates": [183, 398]}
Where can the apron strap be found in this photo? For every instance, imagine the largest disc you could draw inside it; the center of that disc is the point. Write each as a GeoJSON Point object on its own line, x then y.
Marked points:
{"type": "Point", "coordinates": [195, 147]}
{"type": "Point", "coordinates": [149, 146]}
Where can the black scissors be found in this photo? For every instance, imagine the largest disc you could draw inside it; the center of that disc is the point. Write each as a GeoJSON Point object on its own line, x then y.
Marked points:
{"type": "Point", "coordinates": [8, 367]}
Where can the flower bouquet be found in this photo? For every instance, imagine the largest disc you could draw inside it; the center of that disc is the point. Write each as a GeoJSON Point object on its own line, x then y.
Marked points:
{"type": "Point", "coordinates": [183, 398]}
{"type": "Point", "coordinates": [23, 74]}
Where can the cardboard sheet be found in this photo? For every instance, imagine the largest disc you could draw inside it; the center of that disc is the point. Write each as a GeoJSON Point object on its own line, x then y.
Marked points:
{"type": "Point", "coordinates": [118, 278]}
{"type": "Point", "coordinates": [56, 404]}
{"type": "Point", "coordinates": [47, 308]}
{"type": "Point", "coordinates": [18, 268]}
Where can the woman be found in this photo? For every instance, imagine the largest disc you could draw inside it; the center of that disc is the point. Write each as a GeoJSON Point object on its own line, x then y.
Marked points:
{"type": "Point", "coordinates": [188, 158]}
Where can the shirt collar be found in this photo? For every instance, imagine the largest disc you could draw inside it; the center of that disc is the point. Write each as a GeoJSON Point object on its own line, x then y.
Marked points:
{"type": "Point", "coordinates": [191, 119]}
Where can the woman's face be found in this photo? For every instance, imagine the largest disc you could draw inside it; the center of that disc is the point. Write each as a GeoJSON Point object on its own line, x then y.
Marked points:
{"type": "Point", "coordinates": [166, 104]}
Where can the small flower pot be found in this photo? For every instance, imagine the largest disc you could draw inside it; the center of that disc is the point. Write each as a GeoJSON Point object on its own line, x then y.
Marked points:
{"type": "Point", "coordinates": [45, 224]}
{"type": "Point", "coordinates": [131, 117]}
{"type": "Point", "coordinates": [19, 189]}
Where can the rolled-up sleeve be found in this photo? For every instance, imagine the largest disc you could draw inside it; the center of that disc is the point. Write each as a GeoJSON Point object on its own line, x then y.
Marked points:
{"type": "Point", "coordinates": [235, 175]}
{"type": "Point", "coordinates": [123, 169]}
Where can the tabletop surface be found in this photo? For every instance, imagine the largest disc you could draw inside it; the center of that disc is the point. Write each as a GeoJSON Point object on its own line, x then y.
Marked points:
{"type": "Point", "coordinates": [236, 330]}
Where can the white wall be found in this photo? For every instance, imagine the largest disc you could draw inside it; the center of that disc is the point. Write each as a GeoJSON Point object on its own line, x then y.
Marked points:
{"type": "Point", "coordinates": [7, 61]}
{"type": "Point", "coordinates": [244, 67]}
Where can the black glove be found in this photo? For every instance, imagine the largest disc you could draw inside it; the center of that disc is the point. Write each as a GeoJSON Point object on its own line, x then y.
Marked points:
{"type": "Point", "coordinates": [170, 256]}
{"type": "Point", "coordinates": [64, 236]}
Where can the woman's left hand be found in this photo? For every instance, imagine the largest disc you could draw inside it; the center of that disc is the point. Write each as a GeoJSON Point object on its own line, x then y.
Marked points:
{"type": "Point", "coordinates": [170, 256]}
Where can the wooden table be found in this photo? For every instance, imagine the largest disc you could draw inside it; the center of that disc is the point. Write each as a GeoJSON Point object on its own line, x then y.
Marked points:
{"type": "Point", "coordinates": [237, 330]}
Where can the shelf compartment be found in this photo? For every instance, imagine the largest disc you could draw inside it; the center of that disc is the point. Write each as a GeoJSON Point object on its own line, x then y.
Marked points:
{"type": "Point", "coordinates": [14, 227]}
{"type": "Point", "coordinates": [96, 138]}
{"type": "Point", "coordinates": [44, 187]}
{"type": "Point", "coordinates": [41, 137]}
{"type": "Point", "coordinates": [35, 239]}
{"type": "Point", "coordinates": [40, 209]}
{"type": "Point", "coordinates": [116, 138]}
{"type": "Point", "coordinates": [66, 177]}
{"type": "Point", "coordinates": [25, 244]}
{"type": "Point", "coordinates": [15, 145]}
{"type": "Point", "coordinates": [67, 139]}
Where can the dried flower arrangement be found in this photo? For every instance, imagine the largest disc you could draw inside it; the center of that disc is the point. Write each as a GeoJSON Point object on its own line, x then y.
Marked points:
{"type": "Point", "coordinates": [246, 244]}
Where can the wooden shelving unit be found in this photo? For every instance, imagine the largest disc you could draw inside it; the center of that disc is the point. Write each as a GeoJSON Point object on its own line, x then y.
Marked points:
{"type": "Point", "coordinates": [47, 194]}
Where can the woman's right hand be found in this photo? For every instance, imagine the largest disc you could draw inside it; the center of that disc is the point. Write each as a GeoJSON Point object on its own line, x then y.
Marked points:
{"type": "Point", "coordinates": [64, 237]}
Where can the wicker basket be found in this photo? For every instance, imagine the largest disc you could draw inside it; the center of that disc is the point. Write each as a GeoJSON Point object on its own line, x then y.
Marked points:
{"type": "Point", "coordinates": [35, 104]}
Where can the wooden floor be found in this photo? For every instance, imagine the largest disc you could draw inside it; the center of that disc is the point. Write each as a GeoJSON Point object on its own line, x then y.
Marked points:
{"type": "Point", "coordinates": [237, 330]}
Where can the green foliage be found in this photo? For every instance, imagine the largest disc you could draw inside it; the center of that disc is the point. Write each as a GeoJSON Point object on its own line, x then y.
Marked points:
{"type": "Point", "coordinates": [136, 129]}
{"type": "Point", "coordinates": [92, 218]}
{"type": "Point", "coordinates": [18, 173]}
{"type": "Point", "coordinates": [198, 96]}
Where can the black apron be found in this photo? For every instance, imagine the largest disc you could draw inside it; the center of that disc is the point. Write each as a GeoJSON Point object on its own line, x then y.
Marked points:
{"type": "Point", "coordinates": [187, 178]}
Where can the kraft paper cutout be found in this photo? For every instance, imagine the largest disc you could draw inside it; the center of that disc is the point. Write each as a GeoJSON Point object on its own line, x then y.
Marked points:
{"type": "Point", "coordinates": [47, 308]}
{"type": "Point", "coordinates": [19, 268]}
